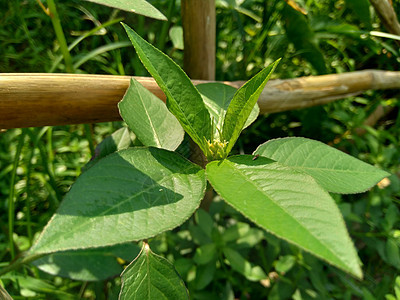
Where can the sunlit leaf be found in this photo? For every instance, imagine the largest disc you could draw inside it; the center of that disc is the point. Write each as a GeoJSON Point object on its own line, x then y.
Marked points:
{"type": "Point", "coordinates": [242, 104]}
{"type": "Point", "coordinates": [130, 195]}
{"type": "Point", "coordinates": [148, 117]}
{"type": "Point", "coordinates": [288, 204]}
{"type": "Point", "coordinates": [183, 99]}
{"type": "Point", "coordinates": [150, 277]}
{"type": "Point", "coordinates": [334, 170]}
{"type": "Point", "coordinates": [140, 7]}
{"type": "Point", "coordinates": [217, 97]}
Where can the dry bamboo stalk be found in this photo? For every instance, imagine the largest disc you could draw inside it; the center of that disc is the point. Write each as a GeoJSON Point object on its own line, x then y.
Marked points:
{"type": "Point", "coordinates": [28, 100]}
{"type": "Point", "coordinates": [388, 16]}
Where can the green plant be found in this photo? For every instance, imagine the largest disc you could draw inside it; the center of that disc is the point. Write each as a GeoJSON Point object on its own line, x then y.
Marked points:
{"type": "Point", "coordinates": [136, 193]}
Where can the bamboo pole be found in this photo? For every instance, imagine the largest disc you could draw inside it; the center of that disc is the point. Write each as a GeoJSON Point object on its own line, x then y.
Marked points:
{"type": "Point", "coordinates": [29, 100]}
{"type": "Point", "coordinates": [387, 15]}
{"type": "Point", "coordinates": [199, 35]}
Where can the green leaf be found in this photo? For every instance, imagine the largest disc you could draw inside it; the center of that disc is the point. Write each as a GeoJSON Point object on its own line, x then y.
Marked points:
{"type": "Point", "coordinates": [204, 275]}
{"type": "Point", "coordinates": [140, 7]}
{"type": "Point", "coordinates": [88, 264]}
{"type": "Point", "coordinates": [176, 35]}
{"type": "Point", "coordinates": [397, 287]}
{"type": "Point", "coordinates": [130, 195]}
{"type": "Point", "coordinates": [118, 140]}
{"type": "Point", "coordinates": [334, 170]}
{"type": "Point", "coordinates": [244, 267]}
{"type": "Point", "coordinates": [151, 276]}
{"type": "Point", "coordinates": [242, 104]}
{"type": "Point", "coordinates": [148, 117]}
{"type": "Point", "coordinates": [287, 203]}
{"type": "Point", "coordinates": [205, 254]}
{"type": "Point", "coordinates": [285, 263]}
{"type": "Point", "coordinates": [217, 97]}
{"type": "Point", "coordinates": [183, 99]}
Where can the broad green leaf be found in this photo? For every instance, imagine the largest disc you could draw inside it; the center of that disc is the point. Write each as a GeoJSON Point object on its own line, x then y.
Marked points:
{"type": "Point", "coordinates": [242, 104]}
{"type": "Point", "coordinates": [88, 264]}
{"type": "Point", "coordinates": [118, 140]}
{"type": "Point", "coordinates": [140, 7]}
{"type": "Point", "coordinates": [287, 203]}
{"type": "Point", "coordinates": [151, 276]}
{"type": "Point", "coordinates": [217, 97]}
{"type": "Point", "coordinates": [244, 267]}
{"type": "Point", "coordinates": [130, 195]}
{"type": "Point", "coordinates": [334, 170]}
{"type": "Point", "coordinates": [148, 117]}
{"type": "Point", "coordinates": [183, 99]}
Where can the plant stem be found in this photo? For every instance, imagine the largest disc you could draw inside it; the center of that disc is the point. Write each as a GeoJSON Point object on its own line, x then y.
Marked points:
{"type": "Point", "coordinates": [89, 137]}
{"type": "Point", "coordinates": [11, 206]}
{"type": "Point", "coordinates": [19, 262]}
{"type": "Point", "coordinates": [45, 163]}
{"type": "Point", "coordinates": [165, 26]}
{"type": "Point", "coordinates": [55, 20]}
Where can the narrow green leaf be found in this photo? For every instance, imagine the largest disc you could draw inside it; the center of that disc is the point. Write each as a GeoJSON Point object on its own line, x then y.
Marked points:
{"type": "Point", "coordinates": [217, 97]}
{"type": "Point", "coordinates": [334, 170]}
{"type": "Point", "coordinates": [151, 276]}
{"type": "Point", "coordinates": [88, 264]}
{"type": "Point", "coordinates": [242, 104]}
{"type": "Point", "coordinates": [130, 195]}
{"type": "Point", "coordinates": [244, 267]}
{"type": "Point", "coordinates": [183, 99]}
{"type": "Point", "coordinates": [288, 204]}
{"type": "Point", "coordinates": [100, 50]}
{"type": "Point", "coordinates": [140, 7]}
{"type": "Point", "coordinates": [148, 117]}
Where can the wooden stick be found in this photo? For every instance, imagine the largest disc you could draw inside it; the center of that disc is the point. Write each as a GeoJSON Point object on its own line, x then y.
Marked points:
{"type": "Point", "coordinates": [387, 15]}
{"type": "Point", "coordinates": [199, 29]}
{"type": "Point", "coordinates": [28, 100]}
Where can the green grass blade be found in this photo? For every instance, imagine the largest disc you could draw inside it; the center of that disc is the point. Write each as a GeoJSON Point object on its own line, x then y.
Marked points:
{"type": "Point", "coordinates": [11, 205]}
{"type": "Point", "coordinates": [100, 50]}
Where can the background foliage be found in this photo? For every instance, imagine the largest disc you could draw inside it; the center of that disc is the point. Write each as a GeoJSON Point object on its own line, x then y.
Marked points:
{"type": "Point", "coordinates": [212, 252]}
